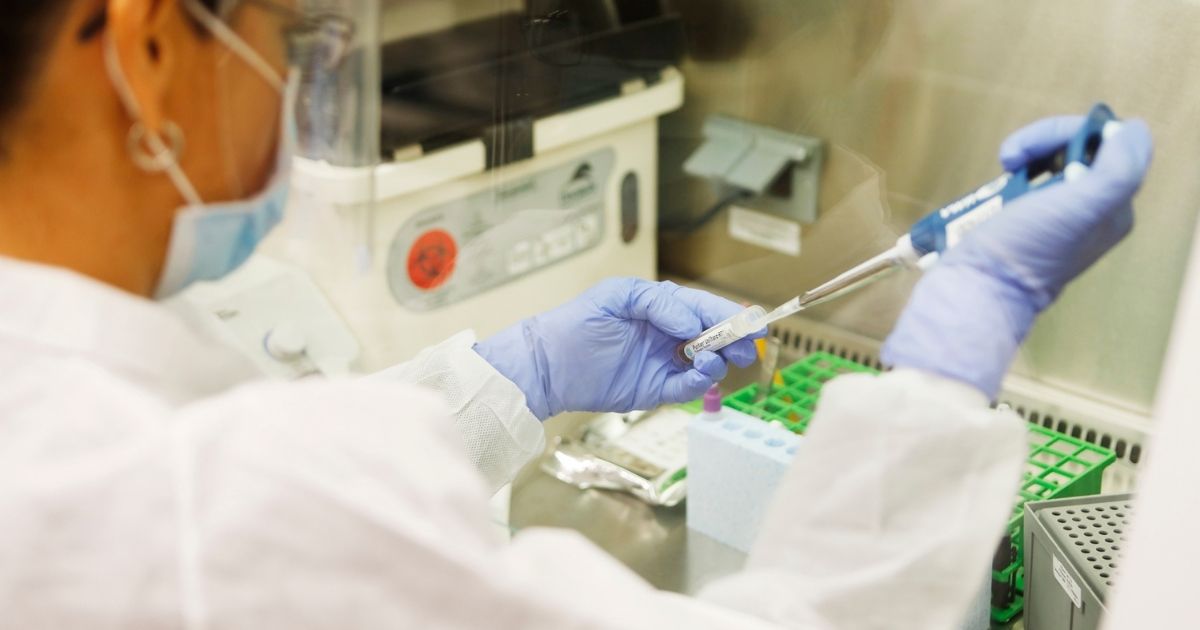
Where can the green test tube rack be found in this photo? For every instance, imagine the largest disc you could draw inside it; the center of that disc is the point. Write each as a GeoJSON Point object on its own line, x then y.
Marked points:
{"type": "Point", "coordinates": [1059, 466]}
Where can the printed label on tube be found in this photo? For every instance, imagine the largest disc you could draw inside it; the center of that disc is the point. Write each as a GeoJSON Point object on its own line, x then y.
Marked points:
{"type": "Point", "coordinates": [715, 339]}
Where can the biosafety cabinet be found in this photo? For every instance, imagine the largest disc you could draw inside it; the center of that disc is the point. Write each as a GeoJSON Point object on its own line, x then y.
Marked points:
{"type": "Point", "coordinates": [479, 161]}
{"type": "Point", "coordinates": [515, 164]}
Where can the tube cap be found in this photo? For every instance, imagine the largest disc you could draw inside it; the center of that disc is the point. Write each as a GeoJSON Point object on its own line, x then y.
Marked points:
{"type": "Point", "coordinates": [712, 400]}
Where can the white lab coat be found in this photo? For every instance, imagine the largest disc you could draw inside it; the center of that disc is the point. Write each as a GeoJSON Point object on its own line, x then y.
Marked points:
{"type": "Point", "coordinates": [147, 481]}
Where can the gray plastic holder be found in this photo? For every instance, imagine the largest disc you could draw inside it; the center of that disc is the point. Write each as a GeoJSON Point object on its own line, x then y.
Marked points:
{"type": "Point", "coordinates": [1072, 552]}
{"type": "Point", "coordinates": [780, 171]}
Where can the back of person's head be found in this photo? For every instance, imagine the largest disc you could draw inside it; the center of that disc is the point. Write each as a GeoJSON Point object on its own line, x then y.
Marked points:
{"type": "Point", "coordinates": [27, 28]}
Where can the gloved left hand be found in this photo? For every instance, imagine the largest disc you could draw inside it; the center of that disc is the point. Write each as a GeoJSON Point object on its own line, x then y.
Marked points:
{"type": "Point", "coordinates": [613, 349]}
{"type": "Point", "coordinates": [971, 312]}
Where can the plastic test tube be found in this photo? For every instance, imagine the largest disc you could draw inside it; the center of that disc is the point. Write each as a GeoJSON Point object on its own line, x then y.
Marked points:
{"type": "Point", "coordinates": [727, 332]}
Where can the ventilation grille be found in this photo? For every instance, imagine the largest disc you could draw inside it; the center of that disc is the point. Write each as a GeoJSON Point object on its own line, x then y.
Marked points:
{"type": "Point", "coordinates": [801, 338]}
{"type": "Point", "coordinates": [1126, 450]}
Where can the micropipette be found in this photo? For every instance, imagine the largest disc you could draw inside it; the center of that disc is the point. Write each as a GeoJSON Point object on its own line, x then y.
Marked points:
{"type": "Point", "coordinates": [930, 237]}
{"type": "Point", "coordinates": [938, 232]}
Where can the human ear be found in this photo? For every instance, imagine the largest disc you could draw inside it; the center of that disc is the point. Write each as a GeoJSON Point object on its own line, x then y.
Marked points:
{"type": "Point", "coordinates": [145, 39]}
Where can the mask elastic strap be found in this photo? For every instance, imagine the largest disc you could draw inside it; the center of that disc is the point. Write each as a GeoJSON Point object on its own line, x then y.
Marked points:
{"type": "Point", "coordinates": [163, 158]}
{"type": "Point", "coordinates": [234, 42]}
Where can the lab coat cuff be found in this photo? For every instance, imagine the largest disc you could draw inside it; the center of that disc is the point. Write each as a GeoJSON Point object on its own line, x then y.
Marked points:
{"type": "Point", "coordinates": [951, 391]}
{"type": "Point", "coordinates": [500, 432]}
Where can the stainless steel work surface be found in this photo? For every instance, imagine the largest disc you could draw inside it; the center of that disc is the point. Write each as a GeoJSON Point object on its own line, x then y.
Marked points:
{"type": "Point", "coordinates": [654, 542]}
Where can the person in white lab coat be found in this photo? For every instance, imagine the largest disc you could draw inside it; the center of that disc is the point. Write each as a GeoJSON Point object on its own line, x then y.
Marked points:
{"type": "Point", "coordinates": [149, 479]}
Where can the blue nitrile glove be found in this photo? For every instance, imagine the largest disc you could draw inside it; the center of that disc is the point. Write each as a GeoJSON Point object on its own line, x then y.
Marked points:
{"type": "Point", "coordinates": [971, 312]}
{"type": "Point", "coordinates": [613, 349]}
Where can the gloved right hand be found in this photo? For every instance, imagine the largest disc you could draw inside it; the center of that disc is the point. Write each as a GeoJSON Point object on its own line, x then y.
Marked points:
{"type": "Point", "coordinates": [614, 349]}
{"type": "Point", "coordinates": [971, 312]}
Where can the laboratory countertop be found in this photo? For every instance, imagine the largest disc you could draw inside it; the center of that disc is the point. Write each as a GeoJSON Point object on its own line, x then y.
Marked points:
{"type": "Point", "coordinates": [654, 542]}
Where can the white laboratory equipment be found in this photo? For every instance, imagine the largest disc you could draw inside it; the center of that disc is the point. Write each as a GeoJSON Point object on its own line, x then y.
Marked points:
{"type": "Point", "coordinates": [455, 245]}
{"type": "Point", "coordinates": [519, 167]}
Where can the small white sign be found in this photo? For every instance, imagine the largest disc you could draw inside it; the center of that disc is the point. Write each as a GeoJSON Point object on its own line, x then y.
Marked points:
{"type": "Point", "coordinates": [764, 230]}
{"type": "Point", "coordinates": [1068, 583]}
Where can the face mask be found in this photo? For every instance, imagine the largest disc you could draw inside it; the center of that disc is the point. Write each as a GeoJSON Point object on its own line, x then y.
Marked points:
{"type": "Point", "coordinates": [210, 241]}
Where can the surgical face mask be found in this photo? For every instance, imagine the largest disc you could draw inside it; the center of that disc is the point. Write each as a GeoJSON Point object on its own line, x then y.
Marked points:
{"type": "Point", "coordinates": [211, 240]}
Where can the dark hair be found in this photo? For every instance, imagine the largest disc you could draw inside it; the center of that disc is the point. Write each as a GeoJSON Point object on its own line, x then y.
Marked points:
{"type": "Point", "coordinates": [26, 26]}
{"type": "Point", "coordinates": [24, 31]}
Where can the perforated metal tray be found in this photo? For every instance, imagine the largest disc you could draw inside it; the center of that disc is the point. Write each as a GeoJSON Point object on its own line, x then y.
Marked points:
{"type": "Point", "coordinates": [1072, 553]}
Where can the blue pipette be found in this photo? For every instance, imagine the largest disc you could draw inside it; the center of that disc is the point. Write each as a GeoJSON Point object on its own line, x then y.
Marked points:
{"type": "Point", "coordinates": [940, 231]}
{"type": "Point", "coordinates": [932, 236]}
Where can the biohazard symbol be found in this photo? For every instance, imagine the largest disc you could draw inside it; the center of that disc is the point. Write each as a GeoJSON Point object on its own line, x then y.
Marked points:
{"type": "Point", "coordinates": [431, 259]}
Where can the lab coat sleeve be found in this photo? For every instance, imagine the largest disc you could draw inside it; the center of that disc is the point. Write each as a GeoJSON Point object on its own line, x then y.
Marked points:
{"type": "Point", "coordinates": [500, 432]}
{"type": "Point", "coordinates": [351, 505]}
{"type": "Point", "coordinates": [892, 511]}
{"type": "Point", "coordinates": [316, 505]}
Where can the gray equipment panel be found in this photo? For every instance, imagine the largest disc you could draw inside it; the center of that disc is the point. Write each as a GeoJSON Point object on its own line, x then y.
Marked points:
{"type": "Point", "coordinates": [457, 250]}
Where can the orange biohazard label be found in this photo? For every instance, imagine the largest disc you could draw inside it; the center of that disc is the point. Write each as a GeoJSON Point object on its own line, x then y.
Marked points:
{"type": "Point", "coordinates": [431, 259]}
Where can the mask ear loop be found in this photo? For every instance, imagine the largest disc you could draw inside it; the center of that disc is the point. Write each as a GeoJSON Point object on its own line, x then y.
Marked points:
{"type": "Point", "coordinates": [146, 147]}
{"type": "Point", "coordinates": [238, 46]}
{"type": "Point", "coordinates": [234, 42]}
{"type": "Point", "coordinates": [148, 150]}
